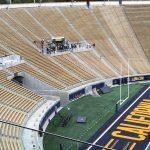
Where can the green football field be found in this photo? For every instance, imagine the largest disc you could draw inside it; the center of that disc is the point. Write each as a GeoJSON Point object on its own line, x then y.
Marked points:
{"type": "Point", "coordinates": [97, 110]}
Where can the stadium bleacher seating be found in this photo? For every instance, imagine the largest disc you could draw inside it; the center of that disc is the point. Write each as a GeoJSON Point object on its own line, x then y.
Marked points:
{"type": "Point", "coordinates": [15, 104]}
{"type": "Point", "coordinates": [9, 134]}
{"type": "Point", "coordinates": [122, 32]}
{"type": "Point", "coordinates": [17, 88]}
{"type": "Point", "coordinates": [78, 70]}
{"type": "Point", "coordinates": [31, 54]}
{"type": "Point", "coordinates": [2, 52]}
{"type": "Point", "coordinates": [16, 101]}
{"type": "Point", "coordinates": [97, 36]}
{"type": "Point", "coordinates": [94, 62]}
{"type": "Point", "coordinates": [58, 25]}
{"type": "Point", "coordinates": [138, 16]}
{"type": "Point", "coordinates": [22, 44]}
{"type": "Point", "coordinates": [11, 143]}
{"type": "Point", "coordinates": [35, 73]}
{"type": "Point", "coordinates": [118, 33]}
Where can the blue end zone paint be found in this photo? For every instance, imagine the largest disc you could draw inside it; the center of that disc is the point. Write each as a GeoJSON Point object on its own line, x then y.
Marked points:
{"type": "Point", "coordinates": [120, 143]}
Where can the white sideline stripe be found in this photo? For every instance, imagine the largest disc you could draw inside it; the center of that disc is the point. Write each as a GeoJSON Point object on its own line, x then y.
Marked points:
{"type": "Point", "coordinates": [118, 118]}
{"type": "Point", "coordinates": [147, 146]}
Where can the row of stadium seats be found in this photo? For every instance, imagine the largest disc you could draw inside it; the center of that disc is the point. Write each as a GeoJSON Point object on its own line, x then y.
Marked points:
{"type": "Point", "coordinates": [9, 130]}
{"type": "Point", "coordinates": [93, 32]}
{"type": "Point", "coordinates": [16, 101]}
{"type": "Point", "coordinates": [120, 34]}
{"type": "Point", "coordinates": [76, 69]}
{"type": "Point", "coordinates": [21, 17]}
{"type": "Point", "coordinates": [11, 143]}
{"type": "Point", "coordinates": [19, 89]}
{"type": "Point", "coordinates": [97, 31]}
{"type": "Point", "coordinates": [117, 21]}
{"type": "Point", "coordinates": [10, 134]}
{"type": "Point", "coordinates": [55, 24]}
{"type": "Point", "coordinates": [99, 25]}
{"type": "Point", "coordinates": [139, 19]}
{"type": "Point", "coordinates": [2, 52]}
{"type": "Point", "coordinates": [35, 73]}
{"type": "Point", "coordinates": [16, 43]}
{"type": "Point", "coordinates": [11, 114]}
{"type": "Point", "coordinates": [87, 34]}
{"type": "Point", "coordinates": [124, 42]}
{"type": "Point", "coordinates": [92, 60]}
{"type": "Point", "coordinates": [14, 24]}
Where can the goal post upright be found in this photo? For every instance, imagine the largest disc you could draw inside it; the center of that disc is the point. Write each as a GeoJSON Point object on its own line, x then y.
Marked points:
{"type": "Point", "coordinates": [128, 77]}
{"type": "Point", "coordinates": [120, 83]}
{"type": "Point", "coordinates": [128, 85]}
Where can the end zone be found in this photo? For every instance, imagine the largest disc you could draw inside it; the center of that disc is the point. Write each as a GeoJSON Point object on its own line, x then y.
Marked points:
{"type": "Point", "coordinates": [130, 129]}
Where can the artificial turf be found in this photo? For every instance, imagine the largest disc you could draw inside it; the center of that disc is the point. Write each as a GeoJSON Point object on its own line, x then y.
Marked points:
{"type": "Point", "coordinates": [97, 110]}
